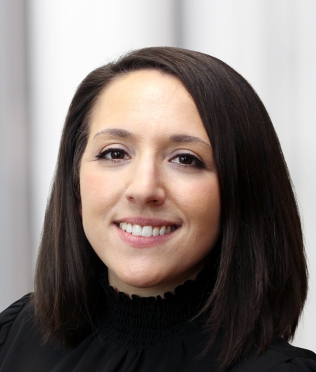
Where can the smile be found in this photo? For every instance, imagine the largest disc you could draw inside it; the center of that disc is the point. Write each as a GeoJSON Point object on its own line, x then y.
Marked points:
{"type": "Point", "coordinates": [138, 230]}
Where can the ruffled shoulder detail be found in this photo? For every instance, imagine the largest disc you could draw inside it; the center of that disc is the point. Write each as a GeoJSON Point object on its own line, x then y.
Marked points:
{"type": "Point", "coordinates": [280, 357]}
{"type": "Point", "coordinates": [8, 316]}
{"type": "Point", "coordinates": [295, 359]}
{"type": "Point", "coordinates": [297, 365]}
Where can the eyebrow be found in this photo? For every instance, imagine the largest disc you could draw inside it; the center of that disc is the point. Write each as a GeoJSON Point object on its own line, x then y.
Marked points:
{"type": "Point", "coordinates": [114, 132]}
{"type": "Point", "coordinates": [177, 138]}
{"type": "Point", "coordinates": [184, 138]}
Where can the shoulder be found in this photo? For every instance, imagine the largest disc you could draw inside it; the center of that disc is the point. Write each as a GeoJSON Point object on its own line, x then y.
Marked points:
{"type": "Point", "coordinates": [280, 357]}
{"type": "Point", "coordinates": [9, 316]}
{"type": "Point", "coordinates": [295, 358]}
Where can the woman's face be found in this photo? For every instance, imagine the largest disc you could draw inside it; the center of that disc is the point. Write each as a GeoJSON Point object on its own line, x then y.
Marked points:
{"type": "Point", "coordinates": [150, 200]}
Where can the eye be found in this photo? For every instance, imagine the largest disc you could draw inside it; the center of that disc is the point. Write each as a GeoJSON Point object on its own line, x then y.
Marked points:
{"type": "Point", "coordinates": [113, 154]}
{"type": "Point", "coordinates": [188, 160]}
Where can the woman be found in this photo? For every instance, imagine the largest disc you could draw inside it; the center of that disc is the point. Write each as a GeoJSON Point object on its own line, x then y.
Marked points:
{"type": "Point", "coordinates": [172, 239]}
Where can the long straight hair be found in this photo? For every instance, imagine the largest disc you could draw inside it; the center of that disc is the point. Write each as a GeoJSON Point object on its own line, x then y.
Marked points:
{"type": "Point", "coordinates": [262, 276]}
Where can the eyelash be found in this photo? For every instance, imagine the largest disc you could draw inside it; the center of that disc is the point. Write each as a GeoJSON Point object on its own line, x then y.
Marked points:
{"type": "Point", "coordinates": [198, 163]}
{"type": "Point", "coordinates": [102, 155]}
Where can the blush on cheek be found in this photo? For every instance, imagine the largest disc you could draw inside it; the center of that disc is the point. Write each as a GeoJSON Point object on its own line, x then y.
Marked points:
{"type": "Point", "coordinates": [91, 184]}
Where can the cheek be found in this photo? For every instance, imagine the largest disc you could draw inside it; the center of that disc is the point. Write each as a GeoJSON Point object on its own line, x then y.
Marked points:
{"type": "Point", "coordinates": [90, 187]}
{"type": "Point", "coordinates": [99, 190]}
{"type": "Point", "coordinates": [209, 206]}
{"type": "Point", "coordinates": [95, 188]}
{"type": "Point", "coordinates": [201, 195]}
{"type": "Point", "coordinates": [203, 204]}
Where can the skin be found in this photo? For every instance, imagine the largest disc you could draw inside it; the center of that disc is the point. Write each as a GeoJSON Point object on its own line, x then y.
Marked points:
{"type": "Point", "coordinates": [140, 166]}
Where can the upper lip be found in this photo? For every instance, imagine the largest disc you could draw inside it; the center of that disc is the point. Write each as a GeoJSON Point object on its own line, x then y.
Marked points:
{"type": "Point", "coordinates": [148, 221]}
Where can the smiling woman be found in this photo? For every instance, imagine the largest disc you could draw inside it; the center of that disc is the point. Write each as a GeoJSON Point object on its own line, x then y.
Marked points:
{"type": "Point", "coordinates": [172, 239]}
{"type": "Point", "coordinates": [150, 203]}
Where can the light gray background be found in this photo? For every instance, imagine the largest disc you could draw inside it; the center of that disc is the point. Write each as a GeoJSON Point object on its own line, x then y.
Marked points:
{"type": "Point", "coordinates": [47, 47]}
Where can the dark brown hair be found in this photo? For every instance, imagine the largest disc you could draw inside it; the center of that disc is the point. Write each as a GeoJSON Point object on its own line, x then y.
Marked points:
{"type": "Point", "coordinates": [262, 277]}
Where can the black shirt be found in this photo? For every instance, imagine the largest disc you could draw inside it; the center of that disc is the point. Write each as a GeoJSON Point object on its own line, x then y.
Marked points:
{"type": "Point", "coordinates": [138, 334]}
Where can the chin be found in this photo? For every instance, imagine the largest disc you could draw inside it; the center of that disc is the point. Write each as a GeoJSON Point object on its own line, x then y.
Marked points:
{"type": "Point", "coordinates": [142, 283]}
{"type": "Point", "coordinates": [145, 281]}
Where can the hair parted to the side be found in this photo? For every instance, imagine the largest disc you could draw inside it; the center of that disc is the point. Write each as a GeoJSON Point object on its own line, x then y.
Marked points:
{"type": "Point", "coordinates": [262, 276]}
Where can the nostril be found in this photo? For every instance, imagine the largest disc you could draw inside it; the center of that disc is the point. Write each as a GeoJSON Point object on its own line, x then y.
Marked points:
{"type": "Point", "coordinates": [151, 194]}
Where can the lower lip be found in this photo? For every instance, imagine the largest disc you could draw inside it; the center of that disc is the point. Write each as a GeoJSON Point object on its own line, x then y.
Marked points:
{"type": "Point", "coordinates": [143, 241]}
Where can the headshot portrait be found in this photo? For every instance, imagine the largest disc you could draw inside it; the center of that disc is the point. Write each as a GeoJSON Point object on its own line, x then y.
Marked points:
{"type": "Point", "coordinates": [173, 236]}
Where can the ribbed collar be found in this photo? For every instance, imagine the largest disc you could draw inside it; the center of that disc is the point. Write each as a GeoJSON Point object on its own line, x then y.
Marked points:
{"type": "Point", "coordinates": [140, 321]}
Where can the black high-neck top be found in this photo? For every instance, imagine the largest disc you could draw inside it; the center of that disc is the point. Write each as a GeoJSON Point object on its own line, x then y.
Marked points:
{"type": "Point", "coordinates": [140, 322]}
{"type": "Point", "coordinates": [136, 335]}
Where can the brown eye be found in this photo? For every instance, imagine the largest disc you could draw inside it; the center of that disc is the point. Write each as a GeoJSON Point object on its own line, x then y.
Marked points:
{"type": "Point", "coordinates": [185, 159]}
{"type": "Point", "coordinates": [113, 154]}
{"type": "Point", "coordinates": [188, 160]}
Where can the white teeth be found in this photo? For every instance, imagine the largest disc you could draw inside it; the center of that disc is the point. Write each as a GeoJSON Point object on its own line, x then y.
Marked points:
{"type": "Point", "coordinates": [162, 230]}
{"type": "Point", "coordinates": [123, 225]}
{"type": "Point", "coordinates": [147, 231]}
{"type": "Point", "coordinates": [138, 230]}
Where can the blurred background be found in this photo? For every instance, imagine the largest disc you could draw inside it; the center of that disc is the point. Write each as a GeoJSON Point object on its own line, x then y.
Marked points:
{"type": "Point", "coordinates": [48, 47]}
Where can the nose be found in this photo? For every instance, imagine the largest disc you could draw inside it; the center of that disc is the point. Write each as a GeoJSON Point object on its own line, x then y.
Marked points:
{"type": "Point", "coordinates": [146, 185]}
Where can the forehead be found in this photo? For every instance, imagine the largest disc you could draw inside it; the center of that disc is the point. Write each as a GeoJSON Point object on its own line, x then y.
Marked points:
{"type": "Point", "coordinates": [145, 84]}
{"type": "Point", "coordinates": [147, 98]}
